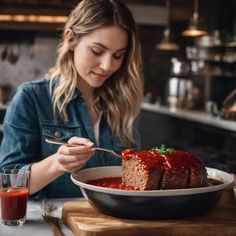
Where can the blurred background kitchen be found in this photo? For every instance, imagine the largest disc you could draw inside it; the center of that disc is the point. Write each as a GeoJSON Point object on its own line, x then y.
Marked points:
{"type": "Point", "coordinates": [189, 54]}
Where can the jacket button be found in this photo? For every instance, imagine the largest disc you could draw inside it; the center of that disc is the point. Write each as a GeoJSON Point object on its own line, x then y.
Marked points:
{"type": "Point", "coordinates": [57, 134]}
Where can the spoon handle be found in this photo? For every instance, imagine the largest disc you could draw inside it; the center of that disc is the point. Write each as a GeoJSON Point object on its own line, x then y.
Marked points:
{"type": "Point", "coordinates": [107, 150]}
{"type": "Point", "coordinates": [59, 142]}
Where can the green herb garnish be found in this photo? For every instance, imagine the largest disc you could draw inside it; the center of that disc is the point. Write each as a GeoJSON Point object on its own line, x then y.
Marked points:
{"type": "Point", "coordinates": [163, 150]}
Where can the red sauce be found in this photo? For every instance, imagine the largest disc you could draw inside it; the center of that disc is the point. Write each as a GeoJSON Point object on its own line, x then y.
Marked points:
{"type": "Point", "coordinates": [112, 182]}
{"type": "Point", "coordinates": [151, 160]}
{"type": "Point", "coordinates": [181, 160]}
{"type": "Point", "coordinates": [116, 183]}
{"type": "Point", "coordinates": [106, 182]}
{"type": "Point", "coordinates": [13, 203]}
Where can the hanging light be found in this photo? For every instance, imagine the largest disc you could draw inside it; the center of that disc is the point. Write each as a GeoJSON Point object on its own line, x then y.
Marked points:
{"type": "Point", "coordinates": [194, 28]}
{"type": "Point", "coordinates": [166, 43]}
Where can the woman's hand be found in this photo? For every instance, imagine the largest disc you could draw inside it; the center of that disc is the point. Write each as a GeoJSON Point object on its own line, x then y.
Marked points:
{"type": "Point", "coordinates": [71, 159]}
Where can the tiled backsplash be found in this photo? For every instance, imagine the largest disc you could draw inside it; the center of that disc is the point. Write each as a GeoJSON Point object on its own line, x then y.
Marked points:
{"type": "Point", "coordinates": [33, 60]}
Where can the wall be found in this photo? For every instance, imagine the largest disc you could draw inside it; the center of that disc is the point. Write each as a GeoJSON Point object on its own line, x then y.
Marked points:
{"type": "Point", "coordinates": [35, 58]}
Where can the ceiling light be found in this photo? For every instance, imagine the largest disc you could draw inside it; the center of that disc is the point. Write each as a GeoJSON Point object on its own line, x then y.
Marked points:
{"type": "Point", "coordinates": [194, 29]}
{"type": "Point", "coordinates": [166, 43]}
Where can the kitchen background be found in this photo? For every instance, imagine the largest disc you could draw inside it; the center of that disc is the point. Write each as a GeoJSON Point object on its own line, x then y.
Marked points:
{"type": "Point", "coordinates": [180, 85]}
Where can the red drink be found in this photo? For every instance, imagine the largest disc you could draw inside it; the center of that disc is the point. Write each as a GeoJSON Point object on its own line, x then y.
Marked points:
{"type": "Point", "coordinates": [14, 203]}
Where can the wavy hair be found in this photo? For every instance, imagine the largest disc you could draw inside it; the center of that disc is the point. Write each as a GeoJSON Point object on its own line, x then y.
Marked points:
{"type": "Point", "coordinates": [121, 95]}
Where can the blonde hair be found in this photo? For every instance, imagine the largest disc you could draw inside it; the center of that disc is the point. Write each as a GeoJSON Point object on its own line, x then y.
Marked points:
{"type": "Point", "coordinates": [121, 95]}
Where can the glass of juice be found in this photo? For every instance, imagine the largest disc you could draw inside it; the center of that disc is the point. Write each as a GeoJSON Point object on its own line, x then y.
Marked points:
{"type": "Point", "coordinates": [14, 191]}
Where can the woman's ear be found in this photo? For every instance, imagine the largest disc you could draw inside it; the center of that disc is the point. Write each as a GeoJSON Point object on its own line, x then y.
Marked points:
{"type": "Point", "coordinates": [68, 35]}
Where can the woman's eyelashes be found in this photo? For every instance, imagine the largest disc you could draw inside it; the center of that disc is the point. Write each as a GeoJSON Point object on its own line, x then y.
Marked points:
{"type": "Point", "coordinates": [119, 56]}
{"type": "Point", "coordinates": [96, 52]}
{"type": "Point", "coordinates": [116, 56]}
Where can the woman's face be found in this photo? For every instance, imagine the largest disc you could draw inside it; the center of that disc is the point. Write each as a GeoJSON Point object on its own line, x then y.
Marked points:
{"type": "Point", "coordinates": [99, 54]}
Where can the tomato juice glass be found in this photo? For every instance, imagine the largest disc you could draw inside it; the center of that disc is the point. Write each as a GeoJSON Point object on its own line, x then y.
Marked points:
{"type": "Point", "coordinates": [14, 191]}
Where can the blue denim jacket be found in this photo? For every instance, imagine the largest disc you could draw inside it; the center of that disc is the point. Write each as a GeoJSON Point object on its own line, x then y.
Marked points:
{"type": "Point", "coordinates": [29, 118]}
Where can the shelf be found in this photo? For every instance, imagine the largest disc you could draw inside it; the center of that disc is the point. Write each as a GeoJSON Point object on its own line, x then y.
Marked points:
{"type": "Point", "coordinates": [30, 26]}
{"type": "Point", "coordinates": [33, 18]}
{"type": "Point", "coordinates": [230, 45]}
{"type": "Point", "coordinates": [214, 68]}
{"type": "Point", "coordinates": [230, 62]}
{"type": "Point", "coordinates": [216, 55]}
{"type": "Point", "coordinates": [205, 74]}
{"type": "Point", "coordinates": [195, 116]}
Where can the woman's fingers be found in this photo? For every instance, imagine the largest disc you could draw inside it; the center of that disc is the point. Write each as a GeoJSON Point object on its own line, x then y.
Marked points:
{"type": "Point", "coordinates": [74, 158]}
{"type": "Point", "coordinates": [64, 159]}
{"type": "Point", "coordinates": [80, 141]}
{"type": "Point", "coordinates": [75, 165]}
{"type": "Point", "coordinates": [74, 150]}
{"type": "Point", "coordinates": [70, 163]}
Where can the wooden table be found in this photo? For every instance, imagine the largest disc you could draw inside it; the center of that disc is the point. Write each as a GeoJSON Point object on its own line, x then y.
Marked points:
{"type": "Point", "coordinates": [84, 220]}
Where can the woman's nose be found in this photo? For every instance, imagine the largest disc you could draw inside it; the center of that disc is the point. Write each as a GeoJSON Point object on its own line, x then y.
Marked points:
{"type": "Point", "coordinates": [106, 63]}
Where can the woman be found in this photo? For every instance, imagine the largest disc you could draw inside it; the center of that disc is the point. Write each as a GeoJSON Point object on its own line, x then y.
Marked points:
{"type": "Point", "coordinates": [91, 97]}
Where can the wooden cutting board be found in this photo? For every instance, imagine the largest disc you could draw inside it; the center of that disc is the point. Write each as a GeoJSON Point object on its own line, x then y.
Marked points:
{"type": "Point", "coordinates": [84, 220]}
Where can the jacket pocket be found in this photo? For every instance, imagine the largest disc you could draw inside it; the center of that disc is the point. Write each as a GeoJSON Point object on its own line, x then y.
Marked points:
{"type": "Point", "coordinates": [61, 132]}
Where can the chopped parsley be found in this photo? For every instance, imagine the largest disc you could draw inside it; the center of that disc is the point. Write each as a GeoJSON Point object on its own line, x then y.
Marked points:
{"type": "Point", "coordinates": [163, 150]}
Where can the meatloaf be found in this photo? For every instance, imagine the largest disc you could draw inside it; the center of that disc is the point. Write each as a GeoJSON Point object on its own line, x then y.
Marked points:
{"type": "Point", "coordinates": [152, 170]}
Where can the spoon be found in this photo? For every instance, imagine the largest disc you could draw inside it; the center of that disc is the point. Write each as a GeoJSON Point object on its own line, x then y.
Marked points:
{"type": "Point", "coordinates": [59, 142]}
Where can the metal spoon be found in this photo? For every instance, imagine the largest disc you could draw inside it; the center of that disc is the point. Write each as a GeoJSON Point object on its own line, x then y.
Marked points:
{"type": "Point", "coordinates": [59, 142]}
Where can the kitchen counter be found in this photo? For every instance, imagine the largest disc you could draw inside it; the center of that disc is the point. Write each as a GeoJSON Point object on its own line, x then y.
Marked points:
{"type": "Point", "coordinates": [195, 116]}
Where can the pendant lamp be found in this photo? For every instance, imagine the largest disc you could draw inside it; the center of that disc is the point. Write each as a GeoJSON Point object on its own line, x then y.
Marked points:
{"type": "Point", "coordinates": [166, 43]}
{"type": "Point", "coordinates": [194, 29]}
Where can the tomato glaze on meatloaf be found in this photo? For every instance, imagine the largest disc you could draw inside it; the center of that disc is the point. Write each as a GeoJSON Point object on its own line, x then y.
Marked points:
{"type": "Point", "coordinates": [151, 170]}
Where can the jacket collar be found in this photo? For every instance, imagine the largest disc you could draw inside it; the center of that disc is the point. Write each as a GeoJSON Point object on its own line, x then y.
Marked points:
{"type": "Point", "coordinates": [77, 93]}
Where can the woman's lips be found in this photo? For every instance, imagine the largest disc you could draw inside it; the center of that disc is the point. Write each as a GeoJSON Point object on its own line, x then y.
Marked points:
{"type": "Point", "coordinates": [100, 76]}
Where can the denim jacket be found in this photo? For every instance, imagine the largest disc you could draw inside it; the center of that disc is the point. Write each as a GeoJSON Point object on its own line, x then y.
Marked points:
{"type": "Point", "coordinates": [29, 118]}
